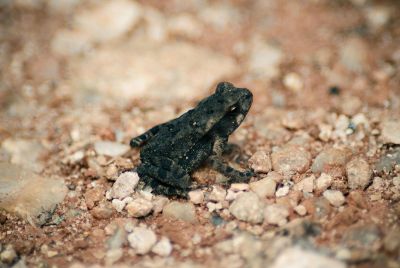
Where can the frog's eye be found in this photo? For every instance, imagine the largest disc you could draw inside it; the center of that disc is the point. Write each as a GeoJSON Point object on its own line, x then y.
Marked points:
{"type": "Point", "coordinates": [222, 87]}
{"type": "Point", "coordinates": [233, 108]}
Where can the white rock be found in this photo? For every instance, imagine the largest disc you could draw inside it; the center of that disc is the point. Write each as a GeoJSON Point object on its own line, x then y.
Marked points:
{"type": "Point", "coordinates": [217, 194]}
{"type": "Point", "coordinates": [276, 214]}
{"type": "Point", "coordinates": [119, 205]}
{"type": "Point", "coordinates": [282, 191]}
{"type": "Point", "coordinates": [142, 240]}
{"type": "Point", "coordinates": [213, 206]}
{"type": "Point", "coordinates": [180, 211]}
{"type": "Point", "coordinates": [378, 16]}
{"type": "Point", "coordinates": [335, 198]}
{"type": "Point", "coordinates": [124, 185]}
{"type": "Point", "coordinates": [293, 82]}
{"type": "Point", "coordinates": [391, 131]}
{"type": "Point", "coordinates": [108, 20]}
{"type": "Point", "coordinates": [24, 152]}
{"type": "Point", "coordinates": [248, 207]}
{"type": "Point", "coordinates": [291, 159]}
{"type": "Point", "coordinates": [163, 247]}
{"type": "Point", "coordinates": [196, 196]}
{"type": "Point", "coordinates": [113, 255]}
{"type": "Point", "coordinates": [264, 188]}
{"type": "Point", "coordinates": [110, 148]}
{"type": "Point", "coordinates": [324, 181]}
{"type": "Point", "coordinates": [260, 162]}
{"type": "Point", "coordinates": [301, 210]}
{"type": "Point", "coordinates": [139, 207]}
{"type": "Point", "coordinates": [159, 203]}
{"type": "Point", "coordinates": [8, 255]}
{"type": "Point", "coordinates": [232, 195]}
{"type": "Point", "coordinates": [306, 185]}
{"type": "Point", "coordinates": [296, 257]}
{"type": "Point", "coordinates": [358, 173]}
{"type": "Point", "coordinates": [325, 132]}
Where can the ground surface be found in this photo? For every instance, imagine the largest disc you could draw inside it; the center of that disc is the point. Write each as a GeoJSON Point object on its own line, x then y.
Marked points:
{"type": "Point", "coordinates": [78, 80]}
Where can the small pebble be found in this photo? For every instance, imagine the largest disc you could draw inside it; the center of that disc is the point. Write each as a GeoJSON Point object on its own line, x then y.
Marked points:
{"type": "Point", "coordinates": [181, 211]}
{"type": "Point", "coordinates": [103, 211]}
{"type": "Point", "coordinates": [282, 191]}
{"type": "Point", "coordinates": [293, 82]}
{"type": "Point", "coordinates": [290, 160]}
{"type": "Point", "coordinates": [163, 247]}
{"type": "Point", "coordinates": [8, 255]}
{"type": "Point", "coordinates": [110, 148]}
{"type": "Point", "coordinates": [276, 214]}
{"type": "Point", "coordinates": [391, 131]}
{"type": "Point", "coordinates": [261, 162]}
{"type": "Point", "coordinates": [217, 194]}
{"type": "Point", "coordinates": [335, 198]}
{"type": "Point", "coordinates": [196, 196]}
{"type": "Point", "coordinates": [142, 240]}
{"type": "Point", "coordinates": [248, 207]}
{"type": "Point", "coordinates": [306, 185]}
{"type": "Point", "coordinates": [124, 185]}
{"type": "Point", "coordinates": [358, 173]}
{"type": "Point", "coordinates": [301, 210]}
{"type": "Point", "coordinates": [323, 182]}
{"type": "Point", "coordinates": [139, 207]}
{"type": "Point", "coordinates": [265, 187]}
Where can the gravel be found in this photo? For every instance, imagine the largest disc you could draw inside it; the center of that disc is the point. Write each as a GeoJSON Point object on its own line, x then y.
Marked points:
{"type": "Point", "coordinates": [180, 211]}
{"type": "Point", "coordinates": [358, 173]}
{"type": "Point", "coordinates": [323, 182]}
{"type": "Point", "coordinates": [265, 187]}
{"type": "Point", "coordinates": [217, 194]}
{"type": "Point", "coordinates": [163, 247]}
{"type": "Point", "coordinates": [282, 191]}
{"type": "Point", "coordinates": [306, 185]}
{"type": "Point", "coordinates": [8, 255]}
{"type": "Point", "coordinates": [110, 148]}
{"type": "Point", "coordinates": [139, 207]}
{"type": "Point", "coordinates": [102, 211]}
{"type": "Point", "coordinates": [248, 207]}
{"type": "Point", "coordinates": [142, 240]}
{"type": "Point", "coordinates": [276, 214]}
{"type": "Point", "coordinates": [335, 198]}
{"type": "Point", "coordinates": [290, 160]}
{"type": "Point", "coordinates": [196, 197]}
{"type": "Point", "coordinates": [391, 131]}
{"type": "Point", "coordinates": [260, 162]}
{"type": "Point", "coordinates": [124, 185]}
{"type": "Point", "coordinates": [331, 161]}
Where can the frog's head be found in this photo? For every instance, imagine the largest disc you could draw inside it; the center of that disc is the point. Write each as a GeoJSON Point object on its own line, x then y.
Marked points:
{"type": "Point", "coordinates": [233, 96]}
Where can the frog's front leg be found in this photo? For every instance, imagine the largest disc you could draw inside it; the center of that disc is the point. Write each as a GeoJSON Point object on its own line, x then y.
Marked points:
{"type": "Point", "coordinates": [163, 189]}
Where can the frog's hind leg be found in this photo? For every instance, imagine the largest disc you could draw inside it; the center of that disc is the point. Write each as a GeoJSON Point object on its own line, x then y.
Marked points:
{"type": "Point", "coordinates": [165, 171]}
{"type": "Point", "coordinates": [162, 189]}
{"type": "Point", "coordinates": [235, 176]}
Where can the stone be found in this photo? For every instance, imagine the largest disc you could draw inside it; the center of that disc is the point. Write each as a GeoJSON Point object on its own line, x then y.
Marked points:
{"type": "Point", "coordinates": [237, 187]}
{"type": "Point", "coordinates": [117, 239]}
{"type": "Point", "coordinates": [139, 207]}
{"type": "Point", "coordinates": [378, 16]}
{"type": "Point", "coordinates": [331, 161]}
{"type": "Point", "coordinates": [217, 194]}
{"type": "Point", "coordinates": [119, 205]}
{"type": "Point", "coordinates": [362, 236]}
{"type": "Point", "coordinates": [163, 247]}
{"type": "Point", "coordinates": [180, 211]}
{"type": "Point", "coordinates": [301, 210]}
{"type": "Point", "coordinates": [102, 211]}
{"type": "Point", "coordinates": [306, 185]}
{"type": "Point", "coordinates": [108, 20]}
{"type": "Point", "coordinates": [290, 160]}
{"type": "Point", "coordinates": [391, 131]}
{"type": "Point", "coordinates": [159, 203]}
{"type": "Point", "coordinates": [335, 198]}
{"type": "Point", "coordinates": [265, 187]}
{"type": "Point", "coordinates": [248, 207]}
{"type": "Point", "coordinates": [163, 71]}
{"type": "Point", "coordinates": [297, 257]}
{"type": "Point", "coordinates": [8, 255]}
{"type": "Point", "coordinates": [323, 182]}
{"type": "Point", "coordinates": [264, 60]}
{"type": "Point", "coordinates": [124, 185]}
{"type": "Point", "coordinates": [260, 162]}
{"type": "Point", "coordinates": [113, 255]}
{"type": "Point", "coordinates": [276, 214]}
{"type": "Point", "coordinates": [350, 105]}
{"type": "Point", "coordinates": [282, 191]}
{"type": "Point", "coordinates": [293, 82]}
{"type": "Point", "coordinates": [30, 196]}
{"type": "Point", "coordinates": [92, 196]}
{"type": "Point", "coordinates": [354, 54]}
{"type": "Point", "coordinates": [391, 242]}
{"type": "Point", "coordinates": [110, 148]}
{"type": "Point", "coordinates": [196, 196]}
{"type": "Point", "coordinates": [325, 132]}
{"type": "Point", "coordinates": [142, 240]}
{"type": "Point", "coordinates": [388, 161]}
{"type": "Point", "coordinates": [358, 173]}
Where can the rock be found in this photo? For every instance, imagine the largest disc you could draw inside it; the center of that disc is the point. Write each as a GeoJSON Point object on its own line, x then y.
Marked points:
{"type": "Point", "coordinates": [278, 178]}
{"type": "Point", "coordinates": [378, 16]}
{"type": "Point", "coordinates": [28, 195]}
{"type": "Point", "coordinates": [8, 255]}
{"type": "Point", "coordinates": [117, 239]}
{"type": "Point", "coordinates": [139, 207]}
{"type": "Point", "coordinates": [239, 187]}
{"type": "Point", "coordinates": [391, 242]}
{"type": "Point", "coordinates": [301, 210]}
{"type": "Point", "coordinates": [260, 162]}
{"type": "Point", "coordinates": [110, 148]}
{"type": "Point", "coordinates": [264, 188]}
{"type": "Point", "coordinates": [196, 196]}
{"type": "Point", "coordinates": [293, 82]}
{"type": "Point", "coordinates": [306, 185]}
{"type": "Point", "coordinates": [264, 60]}
{"type": "Point", "coordinates": [358, 173]}
{"type": "Point", "coordinates": [335, 198]}
{"type": "Point", "coordinates": [142, 240]}
{"type": "Point", "coordinates": [325, 132]}
{"type": "Point", "coordinates": [290, 160]}
{"type": "Point", "coordinates": [388, 161]}
{"type": "Point", "coordinates": [108, 20]}
{"type": "Point", "coordinates": [295, 120]}
{"type": "Point", "coordinates": [124, 185]}
{"type": "Point", "coordinates": [248, 207]}
{"type": "Point", "coordinates": [323, 182]}
{"type": "Point", "coordinates": [24, 152]}
{"type": "Point", "coordinates": [159, 203]}
{"type": "Point", "coordinates": [119, 205]}
{"type": "Point", "coordinates": [181, 211]}
{"type": "Point", "coordinates": [102, 211]}
{"type": "Point", "coordinates": [276, 214]}
{"type": "Point", "coordinates": [350, 105]}
{"type": "Point", "coordinates": [163, 247]}
{"type": "Point", "coordinates": [362, 236]}
{"type": "Point", "coordinates": [217, 194]}
{"type": "Point", "coordinates": [331, 161]}
{"type": "Point", "coordinates": [354, 54]}
{"type": "Point", "coordinates": [92, 196]}
{"type": "Point", "coordinates": [296, 257]}
{"type": "Point", "coordinates": [232, 195]}
{"type": "Point", "coordinates": [163, 71]}
{"type": "Point", "coordinates": [283, 191]}
{"type": "Point", "coordinates": [391, 131]}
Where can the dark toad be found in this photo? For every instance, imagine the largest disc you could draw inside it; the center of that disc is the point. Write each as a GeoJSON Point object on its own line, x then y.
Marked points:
{"type": "Point", "coordinates": [173, 150]}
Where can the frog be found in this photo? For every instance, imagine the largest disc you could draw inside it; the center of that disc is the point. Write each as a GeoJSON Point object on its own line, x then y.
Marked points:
{"type": "Point", "coordinates": [170, 152]}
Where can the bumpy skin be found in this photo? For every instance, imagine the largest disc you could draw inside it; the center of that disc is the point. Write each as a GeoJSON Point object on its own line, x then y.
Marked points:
{"type": "Point", "coordinates": [173, 150]}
